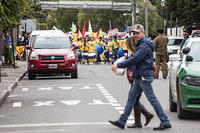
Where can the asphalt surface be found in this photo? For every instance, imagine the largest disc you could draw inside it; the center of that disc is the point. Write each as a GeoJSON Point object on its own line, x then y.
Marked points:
{"type": "Point", "coordinates": [83, 105]}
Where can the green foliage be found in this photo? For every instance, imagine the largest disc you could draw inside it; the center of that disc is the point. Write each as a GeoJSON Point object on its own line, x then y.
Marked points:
{"type": "Point", "coordinates": [11, 12]}
{"type": "Point", "coordinates": [187, 12]}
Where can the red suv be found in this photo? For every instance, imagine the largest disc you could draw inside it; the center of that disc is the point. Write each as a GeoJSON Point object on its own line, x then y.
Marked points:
{"type": "Point", "coordinates": [52, 52]}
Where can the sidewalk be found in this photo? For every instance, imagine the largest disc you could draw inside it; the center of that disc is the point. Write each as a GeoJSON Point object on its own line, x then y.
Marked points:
{"type": "Point", "coordinates": [10, 78]}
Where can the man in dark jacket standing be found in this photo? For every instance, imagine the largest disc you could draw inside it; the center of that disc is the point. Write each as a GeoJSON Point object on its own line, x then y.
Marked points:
{"type": "Point", "coordinates": [143, 74]}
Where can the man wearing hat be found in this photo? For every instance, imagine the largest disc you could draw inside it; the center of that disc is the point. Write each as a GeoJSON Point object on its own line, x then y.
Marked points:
{"type": "Point", "coordinates": [186, 36]}
{"type": "Point", "coordinates": [143, 74]}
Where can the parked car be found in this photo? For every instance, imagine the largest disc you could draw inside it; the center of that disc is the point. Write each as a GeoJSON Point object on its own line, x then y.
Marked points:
{"type": "Point", "coordinates": [52, 52]}
{"type": "Point", "coordinates": [174, 44]}
{"type": "Point", "coordinates": [184, 79]}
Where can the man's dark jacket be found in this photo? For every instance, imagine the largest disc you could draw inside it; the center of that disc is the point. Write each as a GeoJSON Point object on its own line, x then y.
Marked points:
{"type": "Point", "coordinates": [142, 61]}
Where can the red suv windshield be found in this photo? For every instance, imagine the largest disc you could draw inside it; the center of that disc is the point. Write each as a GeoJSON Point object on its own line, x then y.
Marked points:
{"type": "Point", "coordinates": [52, 43]}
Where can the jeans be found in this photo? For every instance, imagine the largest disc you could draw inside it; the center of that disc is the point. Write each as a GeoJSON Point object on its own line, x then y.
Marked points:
{"type": "Point", "coordinates": [139, 86]}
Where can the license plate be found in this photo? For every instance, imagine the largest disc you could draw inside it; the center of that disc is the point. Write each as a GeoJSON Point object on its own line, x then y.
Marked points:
{"type": "Point", "coordinates": [51, 66]}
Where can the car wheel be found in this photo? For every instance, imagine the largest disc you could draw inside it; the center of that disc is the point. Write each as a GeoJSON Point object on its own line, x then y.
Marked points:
{"type": "Point", "coordinates": [181, 113]}
{"type": "Point", "coordinates": [74, 74]}
{"type": "Point", "coordinates": [31, 75]}
{"type": "Point", "coordinates": [172, 105]}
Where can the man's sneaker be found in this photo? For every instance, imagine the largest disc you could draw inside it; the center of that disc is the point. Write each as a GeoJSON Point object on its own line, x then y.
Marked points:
{"type": "Point", "coordinates": [117, 124]}
{"type": "Point", "coordinates": [163, 126]}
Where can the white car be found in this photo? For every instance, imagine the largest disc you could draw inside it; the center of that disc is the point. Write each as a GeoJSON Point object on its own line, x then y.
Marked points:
{"type": "Point", "coordinates": [174, 44]}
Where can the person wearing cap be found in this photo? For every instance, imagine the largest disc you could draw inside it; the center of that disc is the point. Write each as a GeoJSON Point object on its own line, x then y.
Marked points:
{"type": "Point", "coordinates": [186, 36]}
{"type": "Point", "coordinates": [143, 74]}
{"type": "Point", "coordinates": [160, 43]}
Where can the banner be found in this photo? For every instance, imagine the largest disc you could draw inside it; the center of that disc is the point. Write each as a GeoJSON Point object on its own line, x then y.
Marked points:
{"type": "Point", "coordinates": [113, 32]}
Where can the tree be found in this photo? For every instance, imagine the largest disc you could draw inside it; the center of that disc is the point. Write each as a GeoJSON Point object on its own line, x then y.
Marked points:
{"type": "Point", "coordinates": [187, 12]}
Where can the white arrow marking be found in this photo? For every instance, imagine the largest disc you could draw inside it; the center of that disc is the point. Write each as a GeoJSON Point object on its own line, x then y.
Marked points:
{"type": "Point", "coordinates": [47, 103]}
{"type": "Point", "coordinates": [17, 104]}
{"type": "Point", "coordinates": [71, 102]}
{"type": "Point", "coordinates": [97, 102]}
{"type": "Point", "coordinates": [45, 89]}
{"type": "Point", "coordinates": [65, 88]}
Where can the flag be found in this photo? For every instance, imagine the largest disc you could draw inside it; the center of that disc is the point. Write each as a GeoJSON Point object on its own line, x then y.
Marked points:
{"type": "Point", "coordinates": [89, 27]}
{"type": "Point", "coordinates": [100, 33]}
{"type": "Point", "coordinates": [125, 29]}
{"type": "Point", "coordinates": [110, 28]}
{"type": "Point", "coordinates": [73, 28]}
{"type": "Point", "coordinates": [83, 31]}
{"type": "Point", "coordinates": [78, 33]}
{"type": "Point", "coordinates": [97, 36]}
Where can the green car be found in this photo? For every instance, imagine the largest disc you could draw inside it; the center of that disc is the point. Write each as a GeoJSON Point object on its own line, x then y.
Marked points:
{"type": "Point", "coordinates": [184, 79]}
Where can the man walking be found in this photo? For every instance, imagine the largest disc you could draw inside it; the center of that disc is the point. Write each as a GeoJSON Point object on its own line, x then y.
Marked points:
{"type": "Point", "coordinates": [143, 74]}
{"type": "Point", "coordinates": [160, 43]}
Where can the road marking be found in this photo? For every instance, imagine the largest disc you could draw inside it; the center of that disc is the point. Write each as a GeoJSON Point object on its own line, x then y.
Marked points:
{"type": "Point", "coordinates": [46, 103]}
{"type": "Point", "coordinates": [3, 116]}
{"type": "Point", "coordinates": [119, 108]}
{"type": "Point", "coordinates": [45, 89]}
{"type": "Point", "coordinates": [38, 131]}
{"type": "Point", "coordinates": [97, 102]}
{"type": "Point", "coordinates": [10, 96]}
{"type": "Point", "coordinates": [65, 88]}
{"type": "Point", "coordinates": [25, 89]}
{"type": "Point", "coordinates": [17, 104]}
{"type": "Point", "coordinates": [71, 102]}
{"type": "Point", "coordinates": [52, 124]}
{"type": "Point", "coordinates": [85, 88]}
{"type": "Point", "coordinates": [113, 101]}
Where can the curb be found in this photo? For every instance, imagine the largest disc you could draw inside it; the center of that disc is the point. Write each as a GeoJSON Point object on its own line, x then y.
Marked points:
{"type": "Point", "coordinates": [11, 87]}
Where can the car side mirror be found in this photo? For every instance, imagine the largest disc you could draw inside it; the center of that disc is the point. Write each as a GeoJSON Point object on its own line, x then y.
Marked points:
{"type": "Point", "coordinates": [189, 58]}
{"type": "Point", "coordinates": [28, 47]}
{"type": "Point", "coordinates": [186, 50]}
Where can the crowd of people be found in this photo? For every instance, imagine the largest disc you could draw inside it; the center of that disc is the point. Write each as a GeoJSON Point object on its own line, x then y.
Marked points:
{"type": "Point", "coordinates": [95, 50]}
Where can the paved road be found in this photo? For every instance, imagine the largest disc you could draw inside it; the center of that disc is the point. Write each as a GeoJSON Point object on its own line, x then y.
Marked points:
{"type": "Point", "coordinates": [59, 104]}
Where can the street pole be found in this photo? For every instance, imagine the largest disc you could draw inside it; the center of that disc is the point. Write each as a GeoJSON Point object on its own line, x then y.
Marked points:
{"type": "Point", "coordinates": [13, 49]}
{"type": "Point", "coordinates": [162, 5]}
{"type": "Point", "coordinates": [146, 18]}
{"type": "Point", "coordinates": [166, 25]}
{"type": "Point", "coordinates": [132, 14]}
{"type": "Point", "coordinates": [171, 19]}
{"type": "Point", "coordinates": [134, 4]}
{"type": "Point", "coordinates": [176, 26]}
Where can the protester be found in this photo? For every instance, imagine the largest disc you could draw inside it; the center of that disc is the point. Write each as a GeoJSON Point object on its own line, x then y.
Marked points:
{"type": "Point", "coordinates": [160, 43]}
{"type": "Point", "coordinates": [143, 74]}
{"type": "Point", "coordinates": [115, 47]}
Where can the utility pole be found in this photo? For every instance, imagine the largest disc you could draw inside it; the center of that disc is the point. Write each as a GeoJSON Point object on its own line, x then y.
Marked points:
{"type": "Point", "coordinates": [162, 5]}
{"type": "Point", "coordinates": [132, 15]}
{"type": "Point", "coordinates": [146, 18]}
{"type": "Point", "coordinates": [135, 11]}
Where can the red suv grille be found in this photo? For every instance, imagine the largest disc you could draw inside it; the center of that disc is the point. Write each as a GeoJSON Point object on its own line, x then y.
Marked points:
{"type": "Point", "coordinates": [52, 57]}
